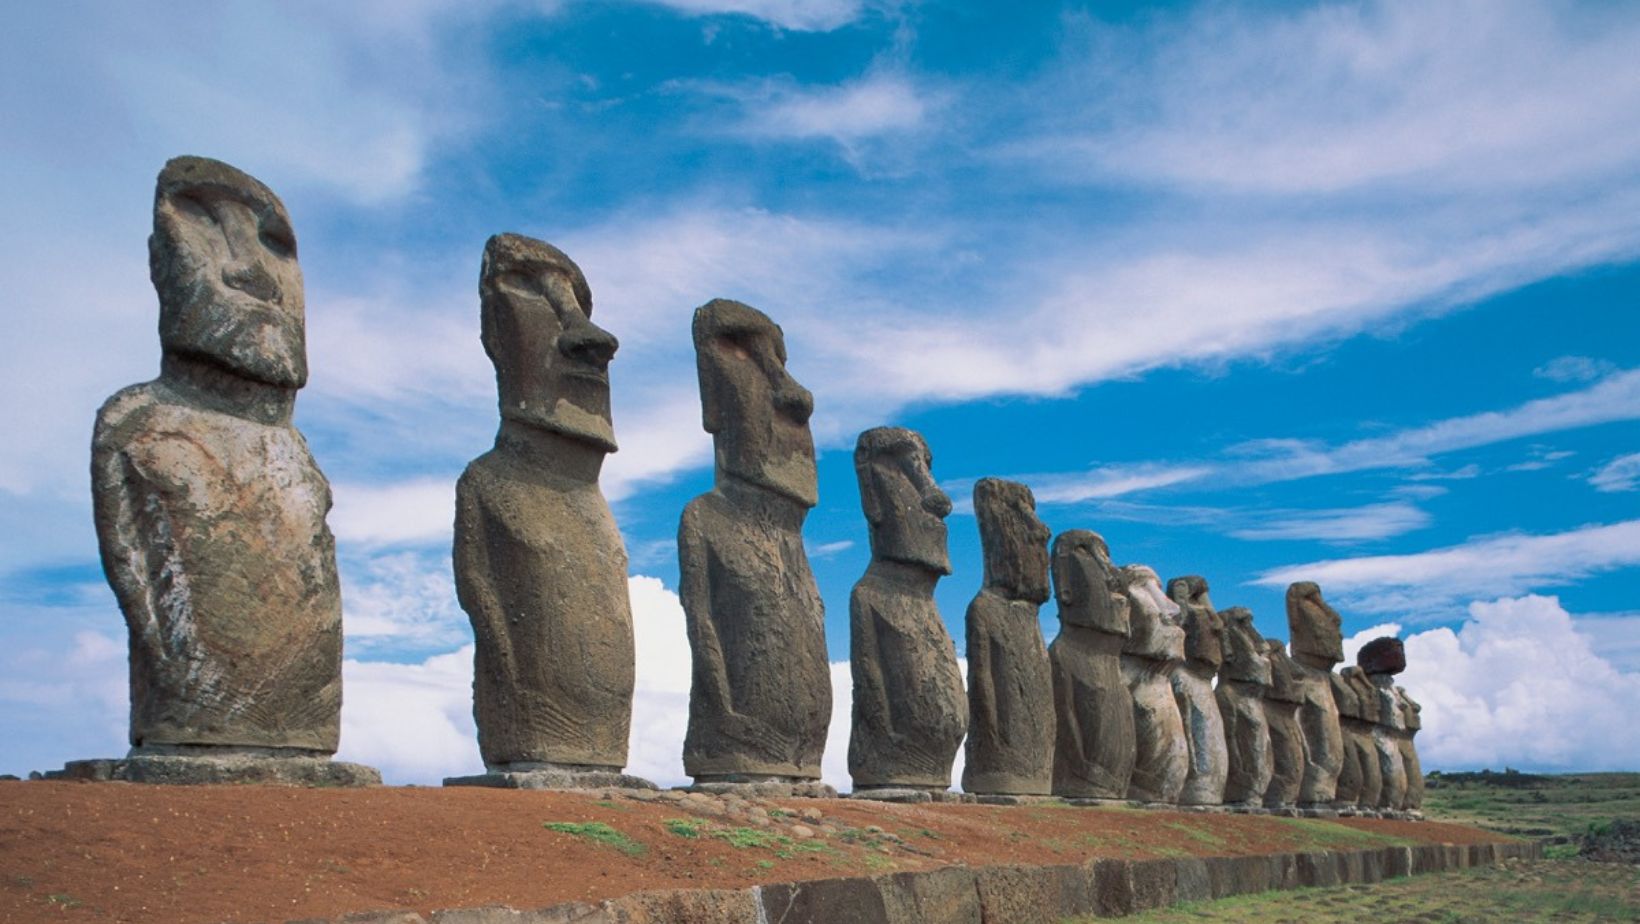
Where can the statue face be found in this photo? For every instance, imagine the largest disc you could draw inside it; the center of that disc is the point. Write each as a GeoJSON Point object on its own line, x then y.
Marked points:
{"type": "Point", "coordinates": [1316, 629]}
{"type": "Point", "coordinates": [757, 413]}
{"type": "Point", "coordinates": [551, 361]}
{"type": "Point", "coordinates": [1244, 653]}
{"type": "Point", "coordinates": [904, 507]}
{"type": "Point", "coordinates": [223, 260]}
{"type": "Point", "coordinates": [1411, 711]}
{"type": "Point", "coordinates": [1085, 583]}
{"type": "Point", "coordinates": [1366, 695]}
{"type": "Point", "coordinates": [1283, 672]}
{"type": "Point", "coordinates": [1014, 541]}
{"type": "Point", "coordinates": [1203, 628]}
{"type": "Point", "coordinates": [1155, 618]}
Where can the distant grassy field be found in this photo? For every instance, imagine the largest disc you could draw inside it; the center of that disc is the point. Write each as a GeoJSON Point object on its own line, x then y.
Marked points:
{"type": "Point", "coordinates": [1540, 890]}
{"type": "Point", "coordinates": [1553, 807]}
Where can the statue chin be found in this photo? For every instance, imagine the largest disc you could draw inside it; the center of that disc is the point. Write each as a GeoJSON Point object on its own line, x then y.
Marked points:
{"type": "Point", "coordinates": [568, 421]}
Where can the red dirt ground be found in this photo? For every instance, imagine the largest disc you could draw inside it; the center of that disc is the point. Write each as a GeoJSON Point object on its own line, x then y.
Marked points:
{"type": "Point", "coordinates": [126, 852]}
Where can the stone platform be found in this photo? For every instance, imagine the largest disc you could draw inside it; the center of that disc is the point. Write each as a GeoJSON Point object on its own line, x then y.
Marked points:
{"type": "Point", "coordinates": [195, 769]}
{"type": "Point", "coordinates": [552, 778]}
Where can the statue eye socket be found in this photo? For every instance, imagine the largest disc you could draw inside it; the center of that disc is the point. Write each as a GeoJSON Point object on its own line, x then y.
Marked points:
{"type": "Point", "coordinates": [194, 207]}
{"type": "Point", "coordinates": [278, 239]}
{"type": "Point", "coordinates": [520, 283]}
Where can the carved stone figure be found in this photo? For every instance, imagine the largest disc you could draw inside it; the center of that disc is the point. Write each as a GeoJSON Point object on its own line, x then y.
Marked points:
{"type": "Point", "coordinates": [540, 567]}
{"type": "Point", "coordinates": [1288, 756]}
{"type": "Point", "coordinates": [1244, 679]}
{"type": "Point", "coordinates": [1153, 646]}
{"type": "Point", "coordinates": [1382, 659]}
{"type": "Point", "coordinates": [760, 699]}
{"type": "Point", "coordinates": [1413, 721]}
{"type": "Point", "coordinates": [909, 706]}
{"type": "Point", "coordinates": [1094, 745]}
{"type": "Point", "coordinates": [210, 510]}
{"type": "Point", "coordinates": [1318, 644]}
{"type": "Point", "coordinates": [1348, 789]}
{"type": "Point", "coordinates": [1357, 714]}
{"type": "Point", "coordinates": [1010, 685]}
{"type": "Point", "coordinates": [1193, 688]}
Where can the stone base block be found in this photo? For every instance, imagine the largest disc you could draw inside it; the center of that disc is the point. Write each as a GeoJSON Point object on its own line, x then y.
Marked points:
{"type": "Point", "coordinates": [765, 788]}
{"type": "Point", "coordinates": [1317, 811]}
{"type": "Point", "coordinates": [552, 778]}
{"type": "Point", "coordinates": [907, 794]}
{"type": "Point", "coordinates": [197, 769]}
{"type": "Point", "coordinates": [1215, 809]}
{"type": "Point", "coordinates": [1007, 799]}
{"type": "Point", "coordinates": [1089, 802]}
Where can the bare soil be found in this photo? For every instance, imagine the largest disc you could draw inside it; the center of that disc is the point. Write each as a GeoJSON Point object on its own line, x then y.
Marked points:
{"type": "Point", "coordinates": [127, 852]}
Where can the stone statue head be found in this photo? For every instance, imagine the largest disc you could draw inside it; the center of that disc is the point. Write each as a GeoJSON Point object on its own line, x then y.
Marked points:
{"type": "Point", "coordinates": [1316, 628]}
{"type": "Point", "coordinates": [1366, 695]}
{"type": "Point", "coordinates": [1385, 655]}
{"type": "Point", "coordinates": [1411, 711]}
{"type": "Point", "coordinates": [551, 361]}
{"type": "Point", "coordinates": [1244, 656]}
{"type": "Point", "coordinates": [1203, 629]}
{"type": "Point", "coordinates": [1014, 541]}
{"type": "Point", "coordinates": [905, 509]}
{"type": "Point", "coordinates": [1284, 679]}
{"type": "Point", "coordinates": [1087, 584]}
{"type": "Point", "coordinates": [223, 260]}
{"type": "Point", "coordinates": [1153, 617]}
{"type": "Point", "coordinates": [1345, 699]}
{"type": "Point", "coordinates": [756, 412]}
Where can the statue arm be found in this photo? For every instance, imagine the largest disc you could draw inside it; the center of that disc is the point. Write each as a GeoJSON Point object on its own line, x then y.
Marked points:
{"type": "Point", "coordinates": [115, 486]}
{"type": "Point", "coordinates": [711, 678]}
{"type": "Point", "coordinates": [475, 587]}
{"type": "Point", "coordinates": [870, 694]}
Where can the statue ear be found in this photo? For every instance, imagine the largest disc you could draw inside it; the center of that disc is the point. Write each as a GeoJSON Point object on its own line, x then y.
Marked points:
{"type": "Point", "coordinates": [711, 412]}
{"type": "Point", "coordinates": [1060, 568]}
{"type": "Point", "coordinates": [870, 493]}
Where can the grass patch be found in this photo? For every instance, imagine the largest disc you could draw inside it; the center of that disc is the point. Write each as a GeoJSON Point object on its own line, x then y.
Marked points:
{"type": "Point", "coordinates": [597, 832]}
{"type": "Point", "coordinates": [1321, 834]}
{"type": "Point", "coordinates": [1206, 838]}
{"type": "Point", "coordinates": [684, 827]}
{"type": "Point", "coordinates": [749, 838]}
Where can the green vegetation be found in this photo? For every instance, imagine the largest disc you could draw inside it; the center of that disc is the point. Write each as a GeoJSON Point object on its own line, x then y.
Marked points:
{"type": "Point", "coordinates": [1540, 890]}
{"type": "Point", "coordinates": [1532, 805]}
{"type": "Point", "coordinates": [1319, 834]}
{"type": "Point", "coordinates": [598, 832]}
{"type": "Point", "coordinates": [684, 827]}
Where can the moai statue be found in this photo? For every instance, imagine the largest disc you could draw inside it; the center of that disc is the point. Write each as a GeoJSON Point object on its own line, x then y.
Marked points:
{"type": "Point", "coordinates": [1412, 719]}
{"type": "Point", "coordinates": [909, 706]}
{"type": "Point", "coordinates": [1288, 755]}
{"type": "Point", "coordinates": [1094, 745]}
{"type": "Point", "coordinates": [1348, 790]}
{"type": "Point", "coordinates": [1382, 659]}
{"type": "Point", "coordinates": [1193, 688]}
{"type": "Point", "coordinates": [1318, 644]}
{"type": "Point", "coordinates": [1010, 685]}
{"type": "Point", "coordinates": [1153, 647]}
{"type": "Point", "coordinates": [1357, 716]}
{"type": "Point", "coordinates": [760, 700]}
{"type": "Point", "coordinates": [210, 510]}
{"type": "Point", "coordinates": [540, 567]}
{"type": "Point", "coordinates": [1244, 678]}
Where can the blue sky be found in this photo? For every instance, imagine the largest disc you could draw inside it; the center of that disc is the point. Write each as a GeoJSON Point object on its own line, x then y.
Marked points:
{"type": "Point", "coordinates": [1265, 292]}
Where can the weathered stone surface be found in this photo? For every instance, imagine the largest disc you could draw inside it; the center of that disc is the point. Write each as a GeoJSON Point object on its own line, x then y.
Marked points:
{"type": "Point", "coordinates": [552, 778]}
{"type": "Point", "coordinates": [1287, 749]}
{"type": "Point", "coordinates": [1357, 714]}
{"type": "Point", "coordinates": [1348, 789]}
{"type": "Point", "coordinates": [210, 510]}
{"type": "Point", "coordinates": [218, 765]}
{"type": "Point", "coordinates": [1386, 655]}
{"type": "Point", "coordinates": [1153, 646]}
{"type": "Point", "coordinates": [855, 899]}
{"type": "Point", "coordinates": [540, 567]}
{"type": "Point", "coordinates": [948, 894]}
{"type": "Point", "coordinates": [684, 906]}
{"type": "Point", "coordinates": [1020, 894]}
{"type": "Point", "coordinates": [1413, 721]}
{"type": "Point", "coordinates": [1317, 645]}
{"type": "Point", "coordinates": [764, 787]}
{"type": "Point", "coordinates": [1010, 684]}
{"type": "Point", "coordinates": [1193, 689]}
{"type": "Point", "coordinates": [1244, 677]}
{"type": "Point", "coordinates": [910, 710]}
{"type": "Point", "coordinates": [760, 699]}
{"type": "Point", "coordinates": [1094, 743]}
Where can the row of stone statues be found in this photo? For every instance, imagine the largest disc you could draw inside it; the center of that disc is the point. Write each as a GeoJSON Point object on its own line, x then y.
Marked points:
{"type": "Point", "coordinates": [211, 512]}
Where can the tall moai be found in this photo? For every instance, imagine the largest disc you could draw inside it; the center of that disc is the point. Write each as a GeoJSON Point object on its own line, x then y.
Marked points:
{"type": "Point", "coordinates": [1010, 684]}
{"type": "Point", "coordinates": [1317, 645]}
{"type": "Point", "coordinates": [1348, 790]}
{"type": "Point", "coordinates": [760, 696]}
{"type": "Point", "coordinates": [1412, 720]}
{"type": "Point", "coordinates": [1288, 754]}
{"type": "Point", "coordinates": [1193, 689]}
{"type": "Point", "coordinates": [1094, 742]}
{"type": "Point", "coordinates": [210, 510]}
{"type": "Point", "coordinates": [1244, 679]}
{"type": "Point", "coordinates": [1154, 646]}
{"type": "Point", "coordinates": [540, 566]}
{"type": "Point", "coordinates": [1357, 715]}
{"type": "Point", "coordinates": [909, 707]}
{"type": "Point", "coordinates": [1381, 659]}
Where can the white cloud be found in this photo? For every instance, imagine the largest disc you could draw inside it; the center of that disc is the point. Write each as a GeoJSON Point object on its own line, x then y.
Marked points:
{"type": "Point", "coordinates": [1620, 474]}
{"type": "Point", "coordinates": [1109, 481]}
{"type": "Point", "coordinates": [1423, 585]}
{"type": "Point", "coordinates": [1520, 684]}
{"type": "Point", "coordinates": [877, 104]}
{"type": "Point", "coordinates": [1373, 521]}
{"type": "Point", "coordinates": [797, 15]}
{"type": "Point", "coordinates": [1575, 369]}
{"type": "Point", "coordinates": [401, 601]}
{"type": "Point", "coordinates": [1616, 636]}
{"type": "Point", "coordinates": [413, 722]}
{"type": "Point", "coordinates": [828, 549]}
{"type": "Point", "coordinates": [418, 510]}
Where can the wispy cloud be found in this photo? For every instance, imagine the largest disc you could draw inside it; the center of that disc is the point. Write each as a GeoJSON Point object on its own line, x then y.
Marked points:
{"type": "Point", "coordinates": [797, 15]}
{"type": "Point", "coordinates": [1620, 474]}
{"type": "Point", "coordinates": [1426, 585]}
{"type": "Point", "coordinates": [1351, 524]}
{"type": "Point", "coordinates": [1575, 369]}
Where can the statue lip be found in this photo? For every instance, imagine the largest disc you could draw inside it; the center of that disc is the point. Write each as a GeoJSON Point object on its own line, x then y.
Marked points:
{"type": "Point", "coordinates": [588, 373]}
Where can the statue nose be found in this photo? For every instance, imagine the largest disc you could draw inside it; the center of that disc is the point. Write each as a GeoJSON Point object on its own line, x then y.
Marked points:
{"type": "Point", "coordinates": [588, 343]}
{"type": "Point", "coordinates": [937, 503]}
{"type": "Point", "coordinates": [253, 280]}
{"type": "Point", "coordinates": [794, 400]}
